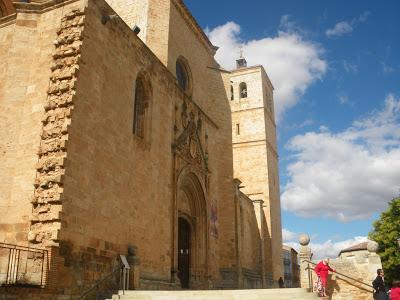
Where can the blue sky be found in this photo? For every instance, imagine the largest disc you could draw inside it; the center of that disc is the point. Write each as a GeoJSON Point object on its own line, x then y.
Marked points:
{"type": "Point", "coordinates": [335, 66]}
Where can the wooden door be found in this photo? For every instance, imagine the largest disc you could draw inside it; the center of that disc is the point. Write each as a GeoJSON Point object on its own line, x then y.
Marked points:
{"type": "Point", "coordinates": [184, 252]}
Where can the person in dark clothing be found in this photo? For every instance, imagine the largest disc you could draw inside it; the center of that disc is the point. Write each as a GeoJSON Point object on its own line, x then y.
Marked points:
{"type": "Point", "coordinates": [281, 283]}
{"type": "Point", "coordinates": [379, 286]}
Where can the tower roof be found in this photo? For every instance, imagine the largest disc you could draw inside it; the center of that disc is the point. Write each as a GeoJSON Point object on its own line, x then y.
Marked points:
{"type": "Point", "coordinates": [241, 62]}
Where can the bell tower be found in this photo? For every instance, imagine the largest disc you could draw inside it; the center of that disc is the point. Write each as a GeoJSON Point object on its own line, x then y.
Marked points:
{"type": "Point", "coordinates": [255, 158]}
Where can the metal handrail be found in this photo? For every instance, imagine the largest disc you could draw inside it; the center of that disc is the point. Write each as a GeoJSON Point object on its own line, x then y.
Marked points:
{"type": "Point", "coordinates": [344, 275]}
{"type": "Point", "coordinates": [12, 246]}
{"type": "Point", "coordinates": [99, 282]}
{"type": "Point", "coordinates": [14, 262]}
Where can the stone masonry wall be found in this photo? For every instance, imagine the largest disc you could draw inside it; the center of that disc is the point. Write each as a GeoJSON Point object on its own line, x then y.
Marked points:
{"type": "Point", "coordinates": [25, 58]}
{"type": "Point", "coordinates": [47, 205]}
{"type": "Point", "coordinates": [273, 176]}
{"type": "Point", "coordinates": [255, 155]}
{"type": "Point", "coordinates": [359, 267]}
{"type": "Point", "coordinates": [250, 235]}
{"type": "Point", "coordinates": [117, 187]}
{"type": "Point", "coordinates": [157, 32]}
{"type": "Point", "coordinates": [98, 187]}
{"type": "Point", "coordinates": [209, 93]}
{"type": "Point", "coordinates": [133, 13]}
{"type": "Point", "coordinates": [362, 267]}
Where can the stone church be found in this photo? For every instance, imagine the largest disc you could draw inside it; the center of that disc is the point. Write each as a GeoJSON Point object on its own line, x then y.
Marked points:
{"type": "Point", "coordinates": [120, 130]}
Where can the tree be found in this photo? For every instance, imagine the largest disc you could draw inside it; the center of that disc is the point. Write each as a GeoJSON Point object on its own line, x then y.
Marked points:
{"type": "Point", "coordinates": [386, 232]}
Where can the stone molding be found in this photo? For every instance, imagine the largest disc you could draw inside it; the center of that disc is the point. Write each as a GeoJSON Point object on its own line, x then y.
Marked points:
{"type": "Point", "coordinates": [255, 108]}
{"type": "Point", "coordinates": [40, 7]}
{"type": "Point", "coordinates": [254, 142]}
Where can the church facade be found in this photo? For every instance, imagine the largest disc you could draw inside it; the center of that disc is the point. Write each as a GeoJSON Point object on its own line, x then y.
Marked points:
{"type": "Point", "coordinates": [120, 130]}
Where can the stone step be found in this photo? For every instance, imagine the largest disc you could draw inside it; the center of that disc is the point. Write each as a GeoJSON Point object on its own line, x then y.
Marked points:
{"type": "Point", "coordinates": [253, 294]}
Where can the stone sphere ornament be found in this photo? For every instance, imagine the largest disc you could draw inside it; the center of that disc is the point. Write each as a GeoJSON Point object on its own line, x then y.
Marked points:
{"type": "Point", "coordinates": [304, 239]}
{"type": "Point", "coordinates": [372, 246]}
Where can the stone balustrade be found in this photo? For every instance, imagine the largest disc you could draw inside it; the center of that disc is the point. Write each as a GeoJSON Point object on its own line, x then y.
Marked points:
{"type": "Point", "coordinates": [359, 265]}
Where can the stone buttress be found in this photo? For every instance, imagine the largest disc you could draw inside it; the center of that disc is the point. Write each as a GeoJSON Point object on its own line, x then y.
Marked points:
{"type": "Point", "coordinates": [47, 200]}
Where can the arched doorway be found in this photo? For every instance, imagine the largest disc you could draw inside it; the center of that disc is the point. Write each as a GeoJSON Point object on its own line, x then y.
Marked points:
{"type": "Point", "coordinates": [192, 233]}
{"type": "Point", "coordinates": [184, 252]}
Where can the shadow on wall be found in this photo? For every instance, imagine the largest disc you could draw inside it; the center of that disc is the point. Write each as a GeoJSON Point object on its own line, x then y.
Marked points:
{"type": "Point", "coordinates": [348, 286]}
{"type": "Point", "coordinates": [332, 286]}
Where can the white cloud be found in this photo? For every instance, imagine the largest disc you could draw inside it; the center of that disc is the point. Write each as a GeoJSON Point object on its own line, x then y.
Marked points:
{"type": "Point", "coordinates": [346, 27]}
{"type": "Point", "coordinates": [350, 67]}
{"type": "Point", "coordinates": [343, 99]}
{"type": "Point", "coordinates": [321, 250]}
{"type": "Point", "coordinates": [286, 23]}
{"type": "Point", "coordinates": [292, 62]}
{"type": "Point", "coordinates": [297, 126]}
{"type": "Point", "coordinates": [347, 175]}
{"type": "Point", "coordinates": [329, 248]}
{"type": "Point", "coordinates": [363, 17]}
{"type": "Point", "coordinates": [339, 29]}
{"type": "Point", "coordinates": [386, 69]}
{"type": "Point", "coordinates": [288, 235]}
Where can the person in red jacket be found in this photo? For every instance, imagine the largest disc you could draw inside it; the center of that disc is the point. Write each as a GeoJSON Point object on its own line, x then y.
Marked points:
{"type": "Point", "coordinates": [395, 291]}
{"type": "Point", "coordinates": [322, 269]}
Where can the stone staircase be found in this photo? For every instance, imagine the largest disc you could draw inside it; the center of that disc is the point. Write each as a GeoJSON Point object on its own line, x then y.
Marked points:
{"type": "Point", "coordinates": [254, 294]}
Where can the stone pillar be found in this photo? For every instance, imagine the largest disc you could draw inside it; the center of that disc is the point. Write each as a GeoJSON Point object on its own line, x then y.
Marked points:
{"type": "Point", "coordinates": [134, 263]}
{"type": "Point", "coordinates": [238, 236]}
{"type": "Point", "coordinates": [262, 243]}
{"type": "Point", "coordinates": [305, 267]}
{"type": "Point", "coordinates": [374, 260]}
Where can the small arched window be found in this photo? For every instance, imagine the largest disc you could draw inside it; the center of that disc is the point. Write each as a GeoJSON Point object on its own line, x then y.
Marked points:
{"type": "Point", "coordinates": [141, 106]}
{"type": "Point", "coordinates": [183, 75]}
{"type": "Point", "coordinates": [232, 97]}
{"type": "Point", "coordinates": [243, 90]}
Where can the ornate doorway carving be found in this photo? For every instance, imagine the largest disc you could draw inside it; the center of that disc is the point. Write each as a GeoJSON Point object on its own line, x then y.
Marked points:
{"type": "Point", "coordinates": [190, 202]}
{"type": "Point", "coordinates": [192, 233]}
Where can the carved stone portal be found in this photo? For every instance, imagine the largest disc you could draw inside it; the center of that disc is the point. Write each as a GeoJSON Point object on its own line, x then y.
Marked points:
{"type": "Point", "coordinates": [191, 194]}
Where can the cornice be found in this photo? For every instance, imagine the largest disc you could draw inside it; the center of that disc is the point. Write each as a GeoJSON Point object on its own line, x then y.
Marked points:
{"type": "Point", "coordinates": [37, 6]}
{"type": "Point", "coordinates": [252, 143]}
